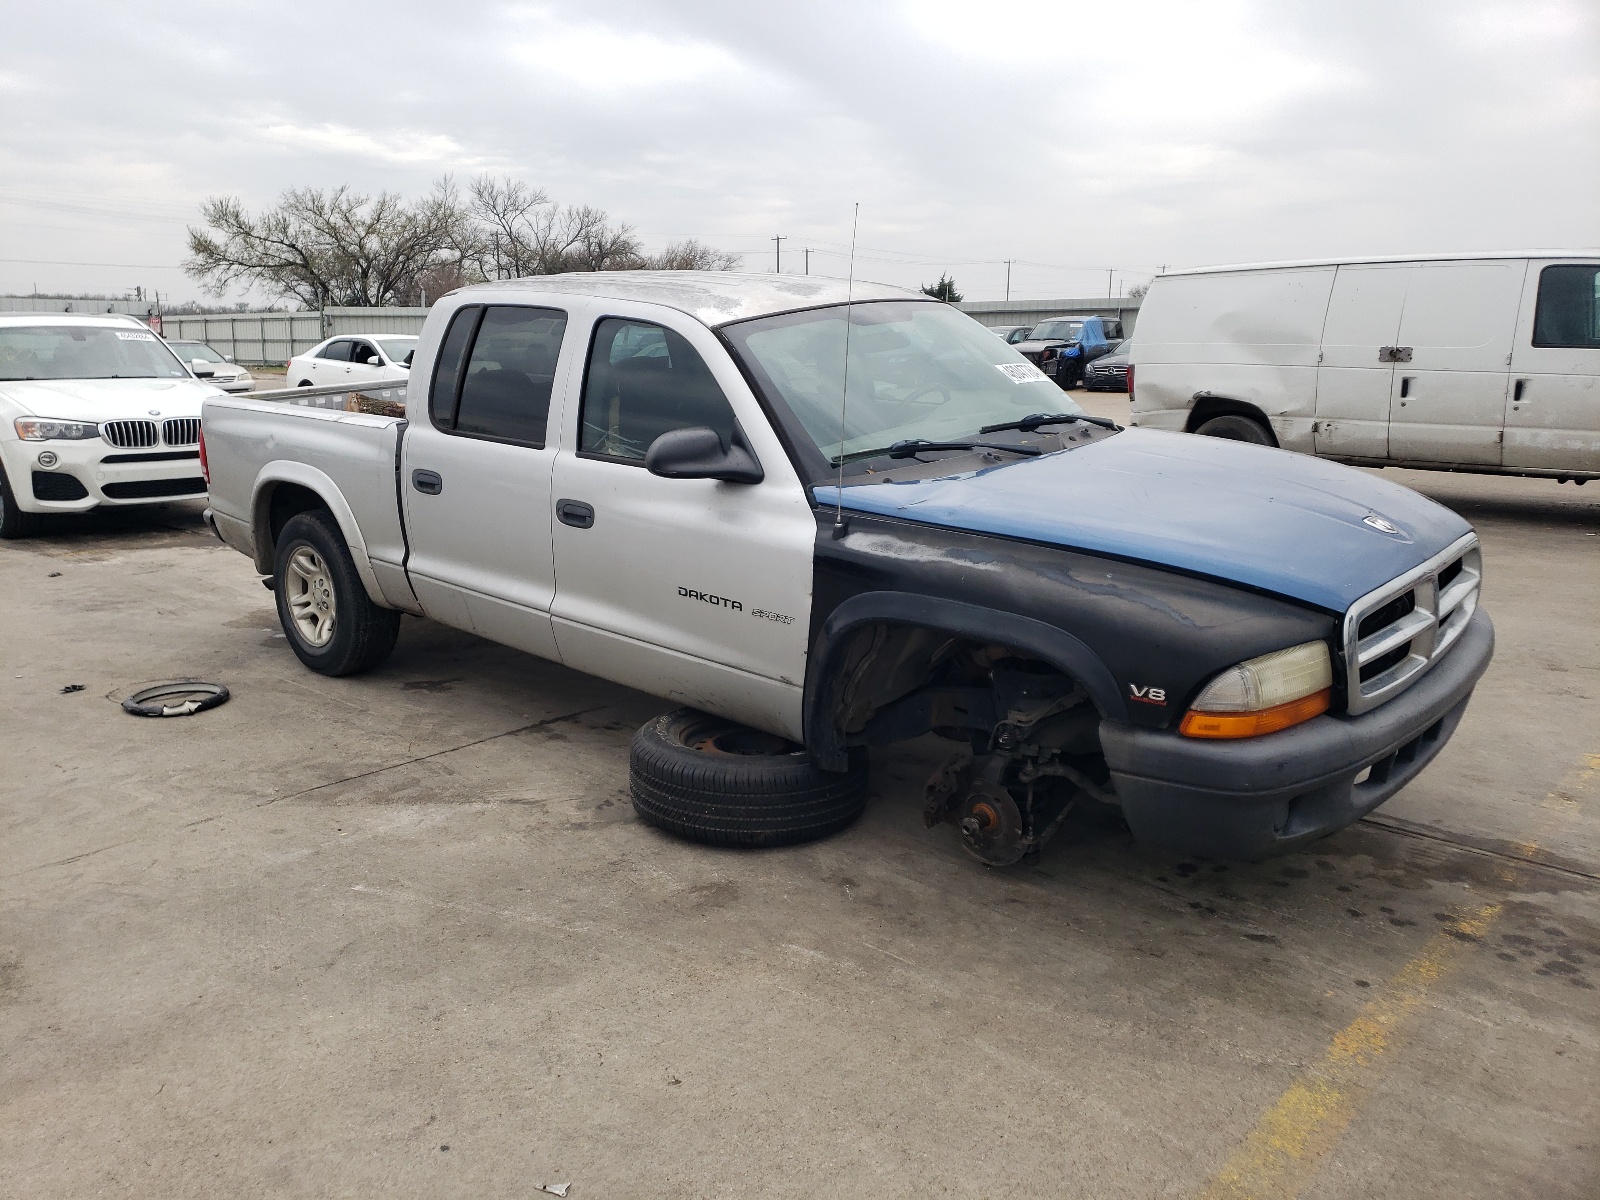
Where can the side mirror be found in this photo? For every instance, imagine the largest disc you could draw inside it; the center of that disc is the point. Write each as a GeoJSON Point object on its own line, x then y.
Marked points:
{"type": "Point", "coordinates": [203, 369]}
{"type": "Point", "coordinates": [697, 453]}
{"type": "Point", "coordinates": [374, 361]}
{"type": "Point", "coordinates": [228, 357]}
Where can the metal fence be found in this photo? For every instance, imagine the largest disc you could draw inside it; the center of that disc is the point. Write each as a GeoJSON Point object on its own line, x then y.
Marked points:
{"type": "Point", "coordinates": [1031, 312]}
{"type": "Point", "coordinates": [276, 337]}
{"type": "Point", "coordinates": [74, 304]}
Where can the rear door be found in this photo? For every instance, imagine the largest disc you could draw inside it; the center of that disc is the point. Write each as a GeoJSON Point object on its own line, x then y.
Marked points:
{"type": "Point", "coordinates": [476, 474]}
{"type": "Point", "coordinates": [1354, 374]}
{"type": "Point", "coordinates": [1553, 414]}
{"type": "Point", "coordinates": [1449, 400]}
{"type": "Point", "coordinates": [686, 588]}
{"type": "Point", "coordinates": [329, 365]}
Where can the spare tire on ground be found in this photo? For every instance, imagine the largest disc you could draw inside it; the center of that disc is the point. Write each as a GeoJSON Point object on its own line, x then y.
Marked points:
{"type": "Point", "coordinates": [710, 780]}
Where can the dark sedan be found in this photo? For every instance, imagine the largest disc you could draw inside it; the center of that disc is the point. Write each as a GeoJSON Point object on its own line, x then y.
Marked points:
{"type": "Point", "coordinates": [1109, 373]}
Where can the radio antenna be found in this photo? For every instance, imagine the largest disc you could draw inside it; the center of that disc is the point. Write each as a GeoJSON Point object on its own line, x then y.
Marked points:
{"type": "Point", "coordinates": [844, 390]}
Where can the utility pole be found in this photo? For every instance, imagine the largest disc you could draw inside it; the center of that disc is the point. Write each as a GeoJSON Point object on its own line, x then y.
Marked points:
{"type": "Point", "coordinates": [777, 251]}
{"type": "Point", "coordinates": [1109, 270]}
{"type": "Point", "coordinates": [1008, 277]}
{"type": "Point", "coordinates": [808, 260]}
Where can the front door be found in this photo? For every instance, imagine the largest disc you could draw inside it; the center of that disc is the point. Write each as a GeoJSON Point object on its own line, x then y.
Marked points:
{"type": "Point", "coordinates": [1553, 413]}
{"type": "Point", "coordinates": [476, 475]}
{"type": "Point", "coordinates": [691, 589]}
{"type": "Point", "coordinates": [1355, 375]}
{"type": "Point", "coordinates": [1449, 401]}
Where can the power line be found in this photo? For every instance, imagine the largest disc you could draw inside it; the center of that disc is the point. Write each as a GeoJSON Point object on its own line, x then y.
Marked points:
{"type": "Point", "coordinates": [57, 262]}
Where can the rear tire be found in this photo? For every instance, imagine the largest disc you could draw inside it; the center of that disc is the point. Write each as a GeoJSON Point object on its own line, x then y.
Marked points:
{"type": "Point", "coordinates": [1236, 427]}
{"type": "Point", "coordinates": [14, 523]}
{"type": "Point", "coordinates": [710, 780]}
{"type": "Point", "coordinates": [331, 623]}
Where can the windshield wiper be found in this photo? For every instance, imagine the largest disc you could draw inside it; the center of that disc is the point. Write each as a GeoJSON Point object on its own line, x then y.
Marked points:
{"type": "Point", "coordinates": [911, 447]}
{"type": "Point", "coordinates": [1031, 423]}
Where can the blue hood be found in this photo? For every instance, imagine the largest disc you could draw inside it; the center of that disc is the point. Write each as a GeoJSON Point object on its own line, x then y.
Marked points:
{"type": "Point", "coordinates": [1281, 522]}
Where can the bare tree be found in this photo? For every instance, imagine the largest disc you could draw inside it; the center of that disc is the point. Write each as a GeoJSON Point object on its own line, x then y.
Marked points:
{"type": "Point", "coordinates": [1137, 291]}
{"type": "Point", "coordinates": [322, 248]}
{"type": "Point", "coordinates": [343, 248]}
{"type": "Point", "coordinates": [691, 255]}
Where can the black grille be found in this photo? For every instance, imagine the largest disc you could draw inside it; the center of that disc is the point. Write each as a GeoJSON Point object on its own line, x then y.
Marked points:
{"type": "Point", "coordinates": [141, 489]}
{"type": "Point", "coordinates": [1383, 662]}
{"type": "Point", "coordinates": [154, 456]}
{"type": "Point", "coordinates": [1447, 576]}
{"type": "Point", "coordinates": [57, 485]}
{"type": "Point", "coordinates": [181, 431]}
{"type": "Point", "coordinates": [1382, 618]}
{"type": "Point", "coordinates": [130, 435]}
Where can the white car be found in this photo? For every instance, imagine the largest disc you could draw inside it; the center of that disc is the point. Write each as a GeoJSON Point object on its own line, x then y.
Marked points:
{"type": "Point", "coordinates": [352, 358]}
{"type": "Point", "coordinates": [216, 369]}
{"type": "Point", "coordinates": [94, 410]}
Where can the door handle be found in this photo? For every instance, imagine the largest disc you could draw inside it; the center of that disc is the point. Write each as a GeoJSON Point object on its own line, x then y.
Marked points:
{"type": "Point", "coordinates": [1516, 390]}
{"type": "Point", "coordinates": [429, 483]}
{"type": "Point", "coordinates": [575, 513]}
{"type": "Point", "coordinates": [1405, 386]}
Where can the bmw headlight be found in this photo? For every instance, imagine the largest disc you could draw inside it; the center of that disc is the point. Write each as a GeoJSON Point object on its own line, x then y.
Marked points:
{"type": "Point", "coordinates": [1264, 695]}
{"type": "Point", "coordinates": [47, 429]}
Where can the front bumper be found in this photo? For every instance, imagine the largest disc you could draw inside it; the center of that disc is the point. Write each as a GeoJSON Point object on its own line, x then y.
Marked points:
{"type": "Point", "coordinates": [93, 473]}
{"type": "Point", "coordinates": [1254, 798]}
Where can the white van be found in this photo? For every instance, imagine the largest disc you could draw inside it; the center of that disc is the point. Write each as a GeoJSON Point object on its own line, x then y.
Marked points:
{"type": "Point", "coordinates": [1482, 362]}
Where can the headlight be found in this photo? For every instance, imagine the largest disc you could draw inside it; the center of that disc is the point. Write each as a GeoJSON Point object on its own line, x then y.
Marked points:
{"type": "Point", "coordinates": [1263, 695]}
{"type": "Point", "coordinates": [43, 429]}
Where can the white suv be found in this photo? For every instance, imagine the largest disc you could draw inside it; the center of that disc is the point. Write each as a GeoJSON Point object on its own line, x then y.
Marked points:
{"type": "Point", "coordinates": [94, 410]}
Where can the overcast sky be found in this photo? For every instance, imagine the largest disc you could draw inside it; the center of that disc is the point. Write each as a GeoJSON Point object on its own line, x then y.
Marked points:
{"type": "Point", "coordinates": [1075, 138]}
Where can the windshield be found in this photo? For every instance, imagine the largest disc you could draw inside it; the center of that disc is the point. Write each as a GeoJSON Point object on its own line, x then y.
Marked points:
{"type": "Point", "coordinates": [85, 352]}
{"type": "Point", "coordinates": [189, 351]}
{"type": "Point", "coordinates": [1056, 331]}
{"type": "Point", "coordinates": [916, 371]}
{"type": "Point", "coordinates": [397, 348]}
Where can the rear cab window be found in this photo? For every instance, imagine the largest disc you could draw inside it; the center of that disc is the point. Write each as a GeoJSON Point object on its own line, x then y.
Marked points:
{"type": "Point", "coordinates": [495, 373]}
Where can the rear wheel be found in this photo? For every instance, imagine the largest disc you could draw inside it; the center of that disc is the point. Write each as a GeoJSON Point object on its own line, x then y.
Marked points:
{"type": "Point", "coordinates": [1236, 427]}
{"type": "Point", "coordinates": [14, 523]}
{"type": "Point", "coordinates": [710, 780]}
{"type": "Point", "coordinates": [331, 623]}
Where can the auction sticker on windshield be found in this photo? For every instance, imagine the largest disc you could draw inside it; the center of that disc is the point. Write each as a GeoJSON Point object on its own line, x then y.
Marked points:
{"type": "Point", "coordinates": [1022, 372]}
{"type": "Point", "coordinates": [135, 337]}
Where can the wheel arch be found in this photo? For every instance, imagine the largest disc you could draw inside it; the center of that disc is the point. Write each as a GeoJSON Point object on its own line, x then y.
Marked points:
{"type": "Point", "coordinates": [285, 488]}
{"type": "Point", "coordinates": [1208, 404]}
{"type": "Point", "coordinates": [825, 675]}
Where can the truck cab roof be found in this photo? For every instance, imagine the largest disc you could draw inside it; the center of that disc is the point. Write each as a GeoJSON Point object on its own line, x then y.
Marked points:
{"type": "Point", "coordinates": [712, 297]}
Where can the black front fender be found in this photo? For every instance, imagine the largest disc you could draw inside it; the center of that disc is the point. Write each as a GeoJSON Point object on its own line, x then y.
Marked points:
{"type": "Point", "coordinates": [824, 678]}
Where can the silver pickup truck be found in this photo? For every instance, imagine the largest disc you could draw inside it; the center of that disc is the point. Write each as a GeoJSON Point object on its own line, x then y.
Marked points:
{"type": "Point", "coordinates": [825, 518]}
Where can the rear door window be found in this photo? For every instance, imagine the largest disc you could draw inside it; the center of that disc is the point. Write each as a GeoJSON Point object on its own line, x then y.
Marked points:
{"type": "Point", "coordinates": [1568, 312]}
{"type": "Point", "coordinates": [336, 351]}
{"type": "Point", "coordinates": [645, 380]}
{"type": "Point", "coordinates": [510, 355]}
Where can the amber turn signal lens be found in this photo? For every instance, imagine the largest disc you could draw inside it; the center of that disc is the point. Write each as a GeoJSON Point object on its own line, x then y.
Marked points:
{"type": "Point", "coordinates": [1268, 720]}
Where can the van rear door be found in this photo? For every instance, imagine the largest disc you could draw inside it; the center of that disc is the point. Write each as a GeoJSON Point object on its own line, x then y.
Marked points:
{"type": "Point", "coordinates": [1453, 364]}
{"type": "Point", "coordinates": [1355, 374]}
{"type": "Point", "coordinates": [1553, 414]}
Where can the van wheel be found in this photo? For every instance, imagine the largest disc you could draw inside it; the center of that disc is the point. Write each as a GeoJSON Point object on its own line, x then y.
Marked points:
{"type": "Point", "coordinates": [709, 780]}
{"type": "Point", "coordinates": [14, 523]}
{"type": "Point", "coordinates": [331, 623]}
{"type": "Point", "coordinates": [1238, 428]}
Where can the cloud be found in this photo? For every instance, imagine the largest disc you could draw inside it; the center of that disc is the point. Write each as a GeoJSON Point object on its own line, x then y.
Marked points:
{"type": "Point", "coordinates": [1045, 131]}
{"type": "Point", "coordinates": [404, 148]}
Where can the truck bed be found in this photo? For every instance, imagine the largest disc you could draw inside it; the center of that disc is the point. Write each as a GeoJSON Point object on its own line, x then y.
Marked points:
{"type": "Point", "coordinates": [341, 443]}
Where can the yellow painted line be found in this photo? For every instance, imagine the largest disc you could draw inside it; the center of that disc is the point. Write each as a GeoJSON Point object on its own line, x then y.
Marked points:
{"type": "Point", "coordinates": [1282, 1154]}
